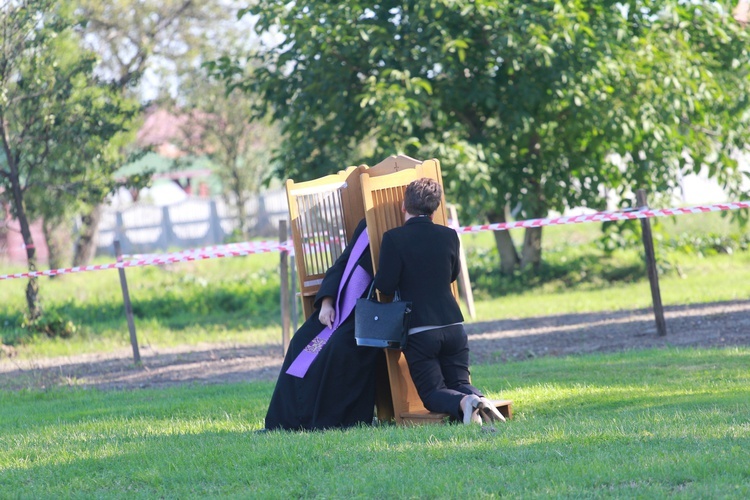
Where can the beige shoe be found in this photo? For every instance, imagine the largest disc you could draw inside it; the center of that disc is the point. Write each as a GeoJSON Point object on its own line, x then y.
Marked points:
{"type": "Point", "coordinates": [488, 412]}
{"type": "Point", "coordinates": [470, 408]}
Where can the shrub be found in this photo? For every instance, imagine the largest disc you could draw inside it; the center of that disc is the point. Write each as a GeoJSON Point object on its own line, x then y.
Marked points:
{"type": "Point", "coordinates": [581, 266]}
{"type": "Point", "coordinates": [52, 324]}
{"type": "Point", "coordinates": [254, 294]}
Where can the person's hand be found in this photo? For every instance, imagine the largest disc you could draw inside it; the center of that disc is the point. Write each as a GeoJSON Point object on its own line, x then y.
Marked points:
{"type": "Point", "coordinates": [327, 312]}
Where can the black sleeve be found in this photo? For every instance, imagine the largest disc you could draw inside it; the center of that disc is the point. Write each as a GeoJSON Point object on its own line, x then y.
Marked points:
{"type": "Point", "coordinates": [389, 266]}
{"type": "Point", "coordinates": [456, 268]}
{"type": "Point", "coordinates": [329, 287]}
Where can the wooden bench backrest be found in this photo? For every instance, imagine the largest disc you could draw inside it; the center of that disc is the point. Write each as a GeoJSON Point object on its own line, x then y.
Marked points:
{"type": "Point", "coordinates": [383, 196]}
{"type": "Point", "coordinates": [392, 164]}
{"type": "Point", "coordinates": [323, 214]}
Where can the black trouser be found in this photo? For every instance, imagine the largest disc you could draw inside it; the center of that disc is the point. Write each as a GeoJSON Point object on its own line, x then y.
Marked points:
{"type": "Point", "coordinates": [439, 364]}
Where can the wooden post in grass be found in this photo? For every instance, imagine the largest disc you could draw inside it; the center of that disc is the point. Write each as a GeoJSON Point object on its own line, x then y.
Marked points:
{"type": "Point", "coordinates": [284, 277]}
{"type": "Point", "coordinates": [464, 283]}
{"type": "Point", "coordinates": [653, 276]}
{"type": "Point", "coordinates": [128, 306]}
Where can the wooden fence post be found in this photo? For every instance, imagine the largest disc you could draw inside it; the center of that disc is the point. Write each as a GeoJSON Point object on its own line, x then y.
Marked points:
{"type": "Point", "coordinates": [653, 276]}
{"type": "Point", "coordinates": [128, 306]}
{"type": "Point", "coordinates": [464, 283]}
{"type": "Point", "coordinates": [284, 277]}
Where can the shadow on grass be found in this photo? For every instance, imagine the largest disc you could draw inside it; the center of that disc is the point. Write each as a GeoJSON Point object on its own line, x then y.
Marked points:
{"type": "Point", "coordinates": [717, 324]}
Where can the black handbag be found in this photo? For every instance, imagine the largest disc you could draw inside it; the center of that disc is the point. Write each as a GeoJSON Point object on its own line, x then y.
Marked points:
{"type": "Point", "coordinates": [381, 324]}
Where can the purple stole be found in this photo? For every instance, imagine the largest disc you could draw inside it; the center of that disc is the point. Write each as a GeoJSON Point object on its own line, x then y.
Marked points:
{"type": "Point", "coordinates": [353, 284]}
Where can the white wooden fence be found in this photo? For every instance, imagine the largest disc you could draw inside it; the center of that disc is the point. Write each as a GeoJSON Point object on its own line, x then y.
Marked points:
{"type": "Point", "coordinates": [195, 222]}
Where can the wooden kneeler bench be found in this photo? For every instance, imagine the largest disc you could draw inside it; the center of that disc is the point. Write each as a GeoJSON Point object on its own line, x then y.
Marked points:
{"type": "Point", "coordinates": [399, 401]}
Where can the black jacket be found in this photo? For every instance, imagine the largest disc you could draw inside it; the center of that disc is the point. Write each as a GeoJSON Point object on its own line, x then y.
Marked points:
{"type": "Point", "coordinates": [421, 259]}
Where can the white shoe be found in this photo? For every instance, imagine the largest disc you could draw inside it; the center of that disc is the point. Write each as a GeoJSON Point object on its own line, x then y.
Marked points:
{"type": "Point", "coordinates": [470, 405]}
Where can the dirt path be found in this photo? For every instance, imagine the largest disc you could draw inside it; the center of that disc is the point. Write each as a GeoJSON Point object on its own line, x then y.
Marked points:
{"type": "Point", "coordinates": [706, 325]}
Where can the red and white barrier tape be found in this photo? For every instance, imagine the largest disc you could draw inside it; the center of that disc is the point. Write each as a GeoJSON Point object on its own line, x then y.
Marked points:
{"type": "Point", "coordinates": [153, 260]}
{"type": "Point", "coordinates": [644, 213]}
{"type": "Point", "coordinates": [228, 247]}
{"type": "Point", "coordinates": [249, 248]}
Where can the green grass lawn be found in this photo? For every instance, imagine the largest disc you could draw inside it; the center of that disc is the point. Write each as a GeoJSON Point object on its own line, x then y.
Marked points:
{"type": "Point", "coordinates": [648, 424]}
{"type": "Point", "coordinates": [715, 279]}
{"type": "Point", "coordinates": [639, 424]}
{"type": "Point", "coordinates": [229, 300]}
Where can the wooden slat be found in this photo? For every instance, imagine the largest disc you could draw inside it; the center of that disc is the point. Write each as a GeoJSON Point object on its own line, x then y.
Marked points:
{"type": "Point", "coordinates": [320, 211]}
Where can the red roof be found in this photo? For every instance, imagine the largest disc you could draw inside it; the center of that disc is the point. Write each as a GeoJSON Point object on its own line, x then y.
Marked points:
{"type": "Point", "coordinates": [168, 132]}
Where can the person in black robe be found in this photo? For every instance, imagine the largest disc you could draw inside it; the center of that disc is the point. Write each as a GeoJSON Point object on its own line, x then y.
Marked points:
{"type": "Point", "coordinates": [338, 389]}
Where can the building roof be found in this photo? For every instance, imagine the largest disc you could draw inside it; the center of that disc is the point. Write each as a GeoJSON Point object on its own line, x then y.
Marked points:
{"type": "Point", "coordinates": [167, 132]}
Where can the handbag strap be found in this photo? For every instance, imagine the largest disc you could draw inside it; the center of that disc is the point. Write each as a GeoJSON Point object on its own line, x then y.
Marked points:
{"type": "Point", "coordinates": [370, 294]}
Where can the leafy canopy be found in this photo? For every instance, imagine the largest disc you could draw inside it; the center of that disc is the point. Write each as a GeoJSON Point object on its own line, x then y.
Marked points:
{"type": "Point", "coordinates": [60, 127]}
{"type": "Point", "coordinates": [541, 104]}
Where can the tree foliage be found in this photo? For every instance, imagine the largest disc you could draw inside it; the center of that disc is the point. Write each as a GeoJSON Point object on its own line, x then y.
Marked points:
{"type": "Point", "coordinates": [146, 47]}
{"type": "Point", "coordinates": [60, 127]}
{"type": "Point", "coordinates": [218, 125]}
{"type": "Point", "coordinates": [137, 36]}
{"type": "Point", "coordinates": [537, 105]}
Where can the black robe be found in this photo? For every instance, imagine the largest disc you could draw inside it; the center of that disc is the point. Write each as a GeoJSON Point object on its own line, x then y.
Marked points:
{"type": "Point", "coordinates": [338, 389]}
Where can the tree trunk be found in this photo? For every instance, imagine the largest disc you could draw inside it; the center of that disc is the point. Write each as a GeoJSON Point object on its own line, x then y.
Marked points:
{"type": "Point", "coordinates": [32, 293]}
{"type": "Point", "coordinates": [242, 214]}
{"type": "Point", "coordinates": [531, 255]}
{"type": "Point", "coordinates": [32, 288]}
{"type": "Point", "coordinates": [536, 207]}
{"type": "Point", "coordinates": [504, 243]}
{"type": "Point", "coordinates": [85, 246]}
{"type": "Point", "coordinates": [57, 243]}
